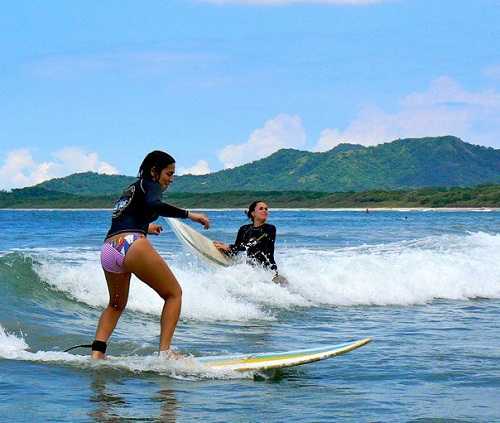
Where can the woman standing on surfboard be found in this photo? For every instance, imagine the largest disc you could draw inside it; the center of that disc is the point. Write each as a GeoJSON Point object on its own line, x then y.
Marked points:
{"type": "Point", "coordinates": [127, 251]}
{"type": "Point", "coordinates": [257, 239]}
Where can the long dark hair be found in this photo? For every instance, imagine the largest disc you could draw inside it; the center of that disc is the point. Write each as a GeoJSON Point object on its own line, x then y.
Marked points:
{"type": "Point", "coordinates": [251, 208]}
{"type": "Point", "coordinates": [158, 160]}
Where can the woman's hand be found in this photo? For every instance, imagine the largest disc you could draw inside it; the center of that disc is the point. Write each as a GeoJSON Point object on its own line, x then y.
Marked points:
{"type": "Point", "coordinates": [155, 229]}
{"type": "Point", "coordinates": [200, 218]}
{"type": "Point", "coordinates": [222, 247]}
{"type": "Point", "coordinates": [280, 280]}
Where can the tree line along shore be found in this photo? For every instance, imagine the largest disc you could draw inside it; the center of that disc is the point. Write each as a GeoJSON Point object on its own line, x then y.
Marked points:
{"type": "Point", "coordinates": [487, 196]}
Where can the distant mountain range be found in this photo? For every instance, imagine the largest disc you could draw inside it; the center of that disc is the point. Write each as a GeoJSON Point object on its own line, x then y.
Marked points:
{"type": "Point", "coordinates": [401, 164]}
{"type": "Point", "coordinates": [88, 184]}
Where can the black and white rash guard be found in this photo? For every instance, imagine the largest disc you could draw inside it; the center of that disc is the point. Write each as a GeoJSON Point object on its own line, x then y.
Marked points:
{"type": "Point", "coordinates": [258, 242]}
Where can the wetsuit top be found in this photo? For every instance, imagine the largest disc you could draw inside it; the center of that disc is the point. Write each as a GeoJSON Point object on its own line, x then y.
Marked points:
{"type": "Point", "coordinates": [139, 205]}
{"type": "Point", "coordinates": [258, 242]}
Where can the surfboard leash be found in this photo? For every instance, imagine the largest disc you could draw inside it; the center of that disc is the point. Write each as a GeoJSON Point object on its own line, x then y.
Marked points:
{"type": "Point", "coordinates": [78, 346]}
{"type": "Point", "coordinates": [95, 346]}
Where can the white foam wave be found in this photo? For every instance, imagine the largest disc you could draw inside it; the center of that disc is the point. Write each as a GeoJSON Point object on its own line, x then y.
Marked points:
{"type": "Point", "coordinates": [450, 267]}
{"type": "Point", "coordinates": [411, 272]}
{"type": "Point", "coordinates": [13, 347]}
{"type": "Point", "coordinates": [208, 294]}
{"type": "Point", "coordinates": [10, 344]}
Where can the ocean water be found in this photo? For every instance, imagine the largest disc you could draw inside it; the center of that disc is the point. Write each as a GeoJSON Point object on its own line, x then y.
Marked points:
{"type": "Point", "coordinates": [425, 285]}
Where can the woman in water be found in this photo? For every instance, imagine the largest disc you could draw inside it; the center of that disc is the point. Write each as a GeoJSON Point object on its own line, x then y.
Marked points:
{"type": "Point", "coordinates": [257, 239]}
{"type": "Point", "coordinates": [127, 250]}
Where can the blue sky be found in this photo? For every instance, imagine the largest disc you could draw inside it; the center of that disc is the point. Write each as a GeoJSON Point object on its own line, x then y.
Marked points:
{"type": "Point", "coordinates": [94, 85]}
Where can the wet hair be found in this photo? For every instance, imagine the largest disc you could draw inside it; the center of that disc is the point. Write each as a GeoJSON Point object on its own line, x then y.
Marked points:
{"type": "Point", "coordinates": [158, 160]}
{"type": "Point", "coordinates": [251, 208]}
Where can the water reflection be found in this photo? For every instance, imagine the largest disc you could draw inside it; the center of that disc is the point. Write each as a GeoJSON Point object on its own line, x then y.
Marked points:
{"type": "Point", "coordinates": [108, 403]}
{"type": "Point", "coordinates": [169, 405]}
{"type": "Point", "coordinates": [142, 400]}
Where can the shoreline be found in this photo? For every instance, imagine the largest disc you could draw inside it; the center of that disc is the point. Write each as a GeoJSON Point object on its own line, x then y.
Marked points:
{"type": "Point", "coordinates": [350, 209]}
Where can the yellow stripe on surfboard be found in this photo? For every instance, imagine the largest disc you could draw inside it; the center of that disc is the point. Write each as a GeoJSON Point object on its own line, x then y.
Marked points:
{"type": "Point", "coordinates": [283, 360]}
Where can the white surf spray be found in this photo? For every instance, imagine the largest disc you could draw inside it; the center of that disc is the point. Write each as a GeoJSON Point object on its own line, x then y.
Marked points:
{"type": "Point", "coordinates": [206, 296]}
{"type": "Point", "coordinates": [15, 347]}
{"type": "Point", "coordinates": [449, 267]}
{"type": "Point", "coordinates": [454, 267]}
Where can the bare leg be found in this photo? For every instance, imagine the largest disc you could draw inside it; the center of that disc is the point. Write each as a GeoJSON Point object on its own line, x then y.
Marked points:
{"type": "Point", "coordinates": [144, 262]}
{"type": "Point", "coordinates": [118, 287]}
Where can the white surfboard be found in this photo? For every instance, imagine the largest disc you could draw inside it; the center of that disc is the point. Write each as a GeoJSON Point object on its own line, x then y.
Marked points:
{"type": "Point", "coordinates": [202, 245]}
{"type": "Point", "coordinates": [277, 360]}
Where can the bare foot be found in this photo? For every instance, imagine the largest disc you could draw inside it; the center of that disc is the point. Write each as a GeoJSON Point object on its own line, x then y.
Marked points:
{"type": "Point", "coordinates": [98, 355]}
{"type": "Point", "coordinates": [171, 355]}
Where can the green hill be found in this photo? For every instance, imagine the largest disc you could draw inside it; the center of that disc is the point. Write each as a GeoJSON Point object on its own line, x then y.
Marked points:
{"type": "Point", "coordinates": [401, 164]}
{"type": "Point", "coordinates": [481, 196]}
{"type": "Point", "coordinates": [88, 184]}
{"type": "Point", "coordinates": [36, 197]}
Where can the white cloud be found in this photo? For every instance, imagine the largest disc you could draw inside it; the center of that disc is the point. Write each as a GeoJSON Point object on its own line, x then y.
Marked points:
{"type": "Point", "coordinates": [285, 2]}
{"type": "Point", "coordinates": [444, 109]}
{"type": "Point", "coordinates": [143, 62]}
{"type": "Point", "coordinates": [492, 72]}
{"type": "Point", "coordinates": [201, 167]}
{"type": "Point", "coordinates": [284, 131]}
{"type": "Point", "coordinates": [328, 139]}
{"type": "Point", "coordinates": [445, 91]}
{"type": "Point", "coordinates": [73, 159]}
{"type": "Point", "coordinates": [20, 169]}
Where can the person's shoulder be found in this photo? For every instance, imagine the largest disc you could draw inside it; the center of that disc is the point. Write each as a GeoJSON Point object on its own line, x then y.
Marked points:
{"type": "Point", "coordinates": [149, 185]}
{"type": "Point", "coordinates": [269, 228]}
{"type": "Point", "coordinates": [146, 183]}
{"type": "Point", "coordinates": [245, 227]}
